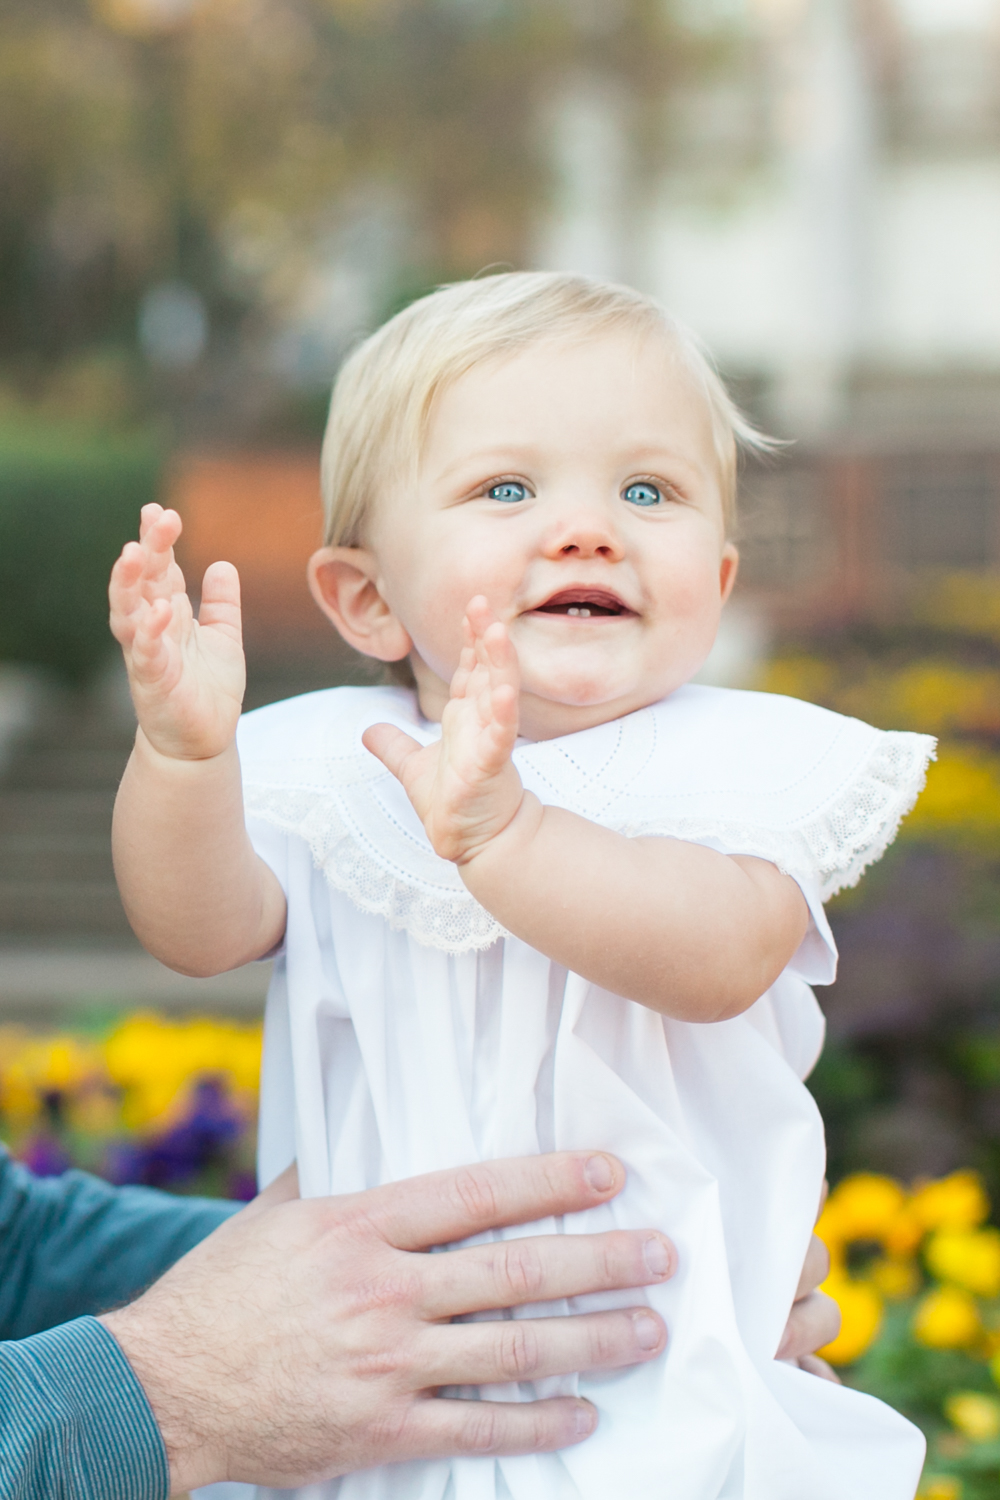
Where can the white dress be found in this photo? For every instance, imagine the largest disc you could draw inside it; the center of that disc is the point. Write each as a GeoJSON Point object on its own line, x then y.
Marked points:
{"type": "Point", "coordinates": [407, 1032]}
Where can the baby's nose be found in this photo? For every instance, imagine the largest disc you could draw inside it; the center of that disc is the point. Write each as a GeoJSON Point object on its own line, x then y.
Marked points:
{"type": "Point", "coordinates": [588, 536]}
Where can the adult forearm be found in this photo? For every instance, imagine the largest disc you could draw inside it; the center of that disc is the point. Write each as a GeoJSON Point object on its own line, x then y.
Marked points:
{"type": "Point", "coordinates": [687, 931]}
{"type": "Point", "coordinates": [74, 1244]}
{"type": "Point", "coordinates": [75, 1423]}
{"type": "Point", "coordinates": [197, 895]}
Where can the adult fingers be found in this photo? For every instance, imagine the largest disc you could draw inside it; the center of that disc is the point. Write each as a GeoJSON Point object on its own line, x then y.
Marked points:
{"type": "Point", "coordinates": [541, 1268]}
{"type": "Point", "coordinates": [813, 1365]}
{"type": "Point", "coordinates": [444, 1428]}
{"type": "Point", "coordinates": [532, 1348]}
{"type": "Point", "coordinates": [815, 1268]}
{"type": "Point", "coordinates": [444, 1206]}
{"type": "Point", "coordinates": [813, 1323]}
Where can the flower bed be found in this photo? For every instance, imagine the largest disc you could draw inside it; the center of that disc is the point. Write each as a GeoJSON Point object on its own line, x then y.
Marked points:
{"type": "Point", "coordinates": [166, 1103]}
{"type": "Point", "coordinates": [917, 1276]}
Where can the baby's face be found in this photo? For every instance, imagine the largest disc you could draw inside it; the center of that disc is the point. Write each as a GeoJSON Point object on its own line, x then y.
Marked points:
{"type": "Point", "coordinates": [576, 487]}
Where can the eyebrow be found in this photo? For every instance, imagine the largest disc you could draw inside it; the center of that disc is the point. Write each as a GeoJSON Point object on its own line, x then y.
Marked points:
{"type": "Point", "coordinates": [503, 456]}
{"type": "Point", "coordinates": [498, 457]}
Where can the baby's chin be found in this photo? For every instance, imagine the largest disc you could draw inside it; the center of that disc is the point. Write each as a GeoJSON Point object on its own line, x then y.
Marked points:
{"type": "Point", "coordinates": [559, 697]}
{"type": "Point", "coordinates": [551, 709]}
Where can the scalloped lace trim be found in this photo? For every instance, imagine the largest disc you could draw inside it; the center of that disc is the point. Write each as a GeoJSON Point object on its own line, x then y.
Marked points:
{"type": "Point", "coordinates": [443, 918]}
{"type": "Point", "coordinates": [834, 848]}
{"type": "Point", "coordinates": [837, 847]}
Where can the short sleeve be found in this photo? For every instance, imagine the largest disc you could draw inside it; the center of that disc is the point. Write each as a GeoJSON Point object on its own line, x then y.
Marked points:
{"type": "Point", "coordinates": [815, 959]}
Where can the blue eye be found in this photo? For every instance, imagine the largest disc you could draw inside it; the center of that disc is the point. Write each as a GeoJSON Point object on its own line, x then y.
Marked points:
{"type": "Point", "coordinates": [508, 490]}
{"type": "Point", "coordinates": [642, 493]}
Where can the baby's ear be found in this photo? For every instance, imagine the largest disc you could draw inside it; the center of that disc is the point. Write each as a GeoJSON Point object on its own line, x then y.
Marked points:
{"type": "Point", "coordinates": [344, 583]}
{"type": "Point", "coordinates": [728, 569]}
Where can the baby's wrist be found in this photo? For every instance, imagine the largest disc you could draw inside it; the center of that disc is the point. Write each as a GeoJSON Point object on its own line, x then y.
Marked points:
{"type": "Point", "coordinates": [166, 758]}
{"type": "Point", "coordinates": [495, 858]}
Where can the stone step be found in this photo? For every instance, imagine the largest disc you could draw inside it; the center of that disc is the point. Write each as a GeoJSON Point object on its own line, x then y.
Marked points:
{"type": "Point", "coordinates": [64, 906]}
{"type": "Point", "coordinates": [53, 813]}
{"type": "Point", "coordinates": [44, 984]}
{"type": "Point", "coordinates": [67, 766]}
{"type": "Point", "coordinates": [60, 856]}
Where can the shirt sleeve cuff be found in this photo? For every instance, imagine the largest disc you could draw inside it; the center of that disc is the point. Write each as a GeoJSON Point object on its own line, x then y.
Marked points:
{"type": "Point", "coordinates": [74, 1420]}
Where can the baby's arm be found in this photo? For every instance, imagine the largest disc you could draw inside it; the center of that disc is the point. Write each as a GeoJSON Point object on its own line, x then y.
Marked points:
{"type": "Point", "coordinates": [196, 893]}
{"type": "Point", "coordinates": [682, 929]}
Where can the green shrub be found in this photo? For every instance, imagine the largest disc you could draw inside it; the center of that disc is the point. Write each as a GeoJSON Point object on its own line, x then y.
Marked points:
{"type": "Point", "coordinates": [69, 500]}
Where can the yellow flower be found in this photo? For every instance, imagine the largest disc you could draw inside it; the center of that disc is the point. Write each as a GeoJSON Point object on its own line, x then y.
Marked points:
{"type": "Point", "coordinates": [947, 1318]}
{"type": "Point", "coordinates": [800, 677]}
{"type": "Point", "coordinates": [974, 1415]}
{"type": "Point", "coordinates": [940, 1487]}
{"type": "Point", "coordinates": [955, 1202]}
{"type": "Point", "coordinates": [969, 1258]}
{"type": "Point", "coordinates": [895, 1278]}
{"type": "Point", "coordinates": [156, 1062]}
{"type": "Point", "coordinates": [962, 791]}
{"type": "Point", "coordinates": [904, 1234]}
{"type": "Point", "coordinates": [36, 1065]}
{"type": "Point", "coordinates": [967, 602]}
{"type": "Point", "coordinates": [861, 1317]}
{"type": "Point", "coordinates": [862, 1207]}
{"type": "Point", "coordinates": [938, 697]}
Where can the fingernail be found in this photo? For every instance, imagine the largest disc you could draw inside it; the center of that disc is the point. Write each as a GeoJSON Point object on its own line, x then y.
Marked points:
{"type": "Point", "coordinates": [656, 1255]}
{"type": "Point", "coordinates": [599, 1173]}
{"type": "Point", "coordinates": [584, 1420]}
{"type": "Point", "coordinates": [648, 1332]}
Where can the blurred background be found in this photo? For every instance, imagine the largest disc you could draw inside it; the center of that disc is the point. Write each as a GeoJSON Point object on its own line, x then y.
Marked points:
{"type": "Point", "coordinates": [203, 203]}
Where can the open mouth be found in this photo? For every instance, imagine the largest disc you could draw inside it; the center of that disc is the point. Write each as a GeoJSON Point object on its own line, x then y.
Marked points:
{"type": "Point", "coordinates": [584, 604]}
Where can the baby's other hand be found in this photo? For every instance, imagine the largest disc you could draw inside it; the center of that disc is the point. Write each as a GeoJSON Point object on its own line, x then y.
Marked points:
{"type": "Point", "coordinates": [465, 788]}
{"type": "Point", "coordinates": [186, 676]}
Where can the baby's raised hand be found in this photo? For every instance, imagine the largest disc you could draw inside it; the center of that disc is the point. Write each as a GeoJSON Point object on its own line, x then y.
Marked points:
{"type": "Point", "coordinates": [465, 787]}
{"type": "Point", "coordinates": [186, 676]}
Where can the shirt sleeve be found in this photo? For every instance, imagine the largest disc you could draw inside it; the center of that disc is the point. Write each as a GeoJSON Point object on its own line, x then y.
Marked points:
{"type": "Point", "coordinates": [73, 1245]}
{"type": "Point", "coordinates": [74, 1420]}
{"type": "Point", "coordinates": [815, 959]}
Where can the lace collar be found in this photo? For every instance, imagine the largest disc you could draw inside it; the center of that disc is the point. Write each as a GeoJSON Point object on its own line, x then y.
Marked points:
{"type": "Point", "coordinates": [818, 794]}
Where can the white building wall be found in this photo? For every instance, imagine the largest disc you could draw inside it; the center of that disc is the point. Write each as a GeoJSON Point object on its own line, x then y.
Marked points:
{"type": "Point", "coordinates": [849, 248]}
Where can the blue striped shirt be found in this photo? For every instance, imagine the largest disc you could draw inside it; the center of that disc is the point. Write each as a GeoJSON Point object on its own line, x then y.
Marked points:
{"type": "Point", "coordinates": [74, 1420]}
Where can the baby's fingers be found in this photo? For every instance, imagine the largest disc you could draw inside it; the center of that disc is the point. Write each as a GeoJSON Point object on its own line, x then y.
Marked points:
{"type": "Point", "coordinates": [150, 650]}
{"type": "Point", "coordinates": [158, 534]}
{"type": "Point", "coordinates": [392, 747]}
{"type": "Point", "coordinates": [493, 647]}
{"type": "Point", "coordinates": [125, 594]}
{"type": "Point", "coordinates": [220, 600]}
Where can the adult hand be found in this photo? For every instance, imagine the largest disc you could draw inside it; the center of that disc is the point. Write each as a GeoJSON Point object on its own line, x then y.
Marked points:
{"type": "Point", "coordinates": [305, 1339]}
{"type": "Point", "coordinates": [814, 1320]}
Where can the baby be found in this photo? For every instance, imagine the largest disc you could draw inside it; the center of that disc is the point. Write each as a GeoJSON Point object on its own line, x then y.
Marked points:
{"type": "Point", "coordinates": [546, 895]}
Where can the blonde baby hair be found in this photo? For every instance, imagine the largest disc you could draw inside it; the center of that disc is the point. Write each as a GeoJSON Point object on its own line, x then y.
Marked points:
{"type": "Point", "coordinates": [383, 394]}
